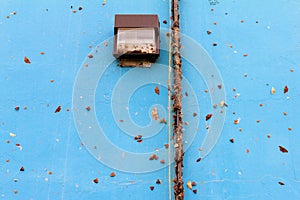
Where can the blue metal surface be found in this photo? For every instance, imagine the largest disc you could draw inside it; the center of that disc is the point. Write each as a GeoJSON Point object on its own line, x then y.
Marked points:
{"type": "Point", "coordinates": [256, 47]}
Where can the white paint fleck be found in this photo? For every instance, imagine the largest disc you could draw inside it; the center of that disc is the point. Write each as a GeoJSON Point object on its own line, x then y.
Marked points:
{"type": "Point", "coordinates": [12, 135]}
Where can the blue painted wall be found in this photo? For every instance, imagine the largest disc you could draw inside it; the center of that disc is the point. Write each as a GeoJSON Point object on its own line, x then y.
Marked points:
{"type": "Point", "coordinates": [253, 44]}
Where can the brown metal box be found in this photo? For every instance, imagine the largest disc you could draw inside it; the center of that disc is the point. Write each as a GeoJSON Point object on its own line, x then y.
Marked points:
{"type": "Point", "coordinates": [136, 36]}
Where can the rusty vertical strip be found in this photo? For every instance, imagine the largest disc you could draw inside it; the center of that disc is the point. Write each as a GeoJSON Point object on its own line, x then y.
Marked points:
{"type": "Point", "coordinates": [177, 103]}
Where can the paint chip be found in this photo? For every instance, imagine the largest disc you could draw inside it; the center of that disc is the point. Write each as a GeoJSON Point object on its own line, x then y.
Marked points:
{"type": "Point", "coordinates": [154, 113]}
{"type": "Point", "coordinates": [189, 184]}
{"type": "Point", "coordinates": [12, 135]}
{"type": "Point", "coordinates": [273, 90]}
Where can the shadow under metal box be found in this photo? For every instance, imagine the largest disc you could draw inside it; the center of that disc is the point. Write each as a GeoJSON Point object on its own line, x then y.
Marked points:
{"type": "Point", "coordinates": [136, 36]}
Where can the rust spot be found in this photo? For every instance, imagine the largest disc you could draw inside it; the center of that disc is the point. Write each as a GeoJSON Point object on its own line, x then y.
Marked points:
{"type": "Point", "coordinates": [162, 120]}
{"type": "Point", "coordinates": [282, 149]}
{"type": "Point", "coordinates": [88, 108]}
{"type": "Point", "coordinates": [153, 157]}
{"type": "Point", "coordinates": [232, 140]}
{"type": "Point", "coordinates": [281, 183]}
{"type": "Point", "coordinates": [112, 174]}
{"type": "Point", "coordinates": [156, 90]}
{"type": "Point", "coordinates": [286, 89]}
{"type": "Point", "coordinates": [284, 113]}
{"type": "Point", "coordinates": [96, 180]}
{"type": "Point", "coordinates": [22, 169]}
{"type": "Point", "coordinates": [151, 188]}
{"type": "Point", "coordinates": [138, 137]}
{"type": "Point", "coordinates": [26, 60]}
{"type": "Point", "coordinates": [58, 109]}
{"type": "Point", "coordinates": [208, 116]}
{"type": "Point", "coordinates": [236, 121]}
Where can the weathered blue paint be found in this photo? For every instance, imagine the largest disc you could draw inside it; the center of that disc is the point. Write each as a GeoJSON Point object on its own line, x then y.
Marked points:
{"type": "Point", "coordinates": [46, 141]}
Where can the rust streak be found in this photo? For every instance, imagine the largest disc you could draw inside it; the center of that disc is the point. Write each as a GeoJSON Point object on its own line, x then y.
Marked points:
{"type": "Point", "coordinates": [177, 103]}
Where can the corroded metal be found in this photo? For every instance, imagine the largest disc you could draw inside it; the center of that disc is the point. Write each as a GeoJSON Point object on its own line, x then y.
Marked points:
{"type": "Point", "coordinates": [177, 103]}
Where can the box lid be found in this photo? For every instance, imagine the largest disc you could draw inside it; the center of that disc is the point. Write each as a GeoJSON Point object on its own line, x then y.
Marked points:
{"type": "Point", "coordinates": [134, 20]}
